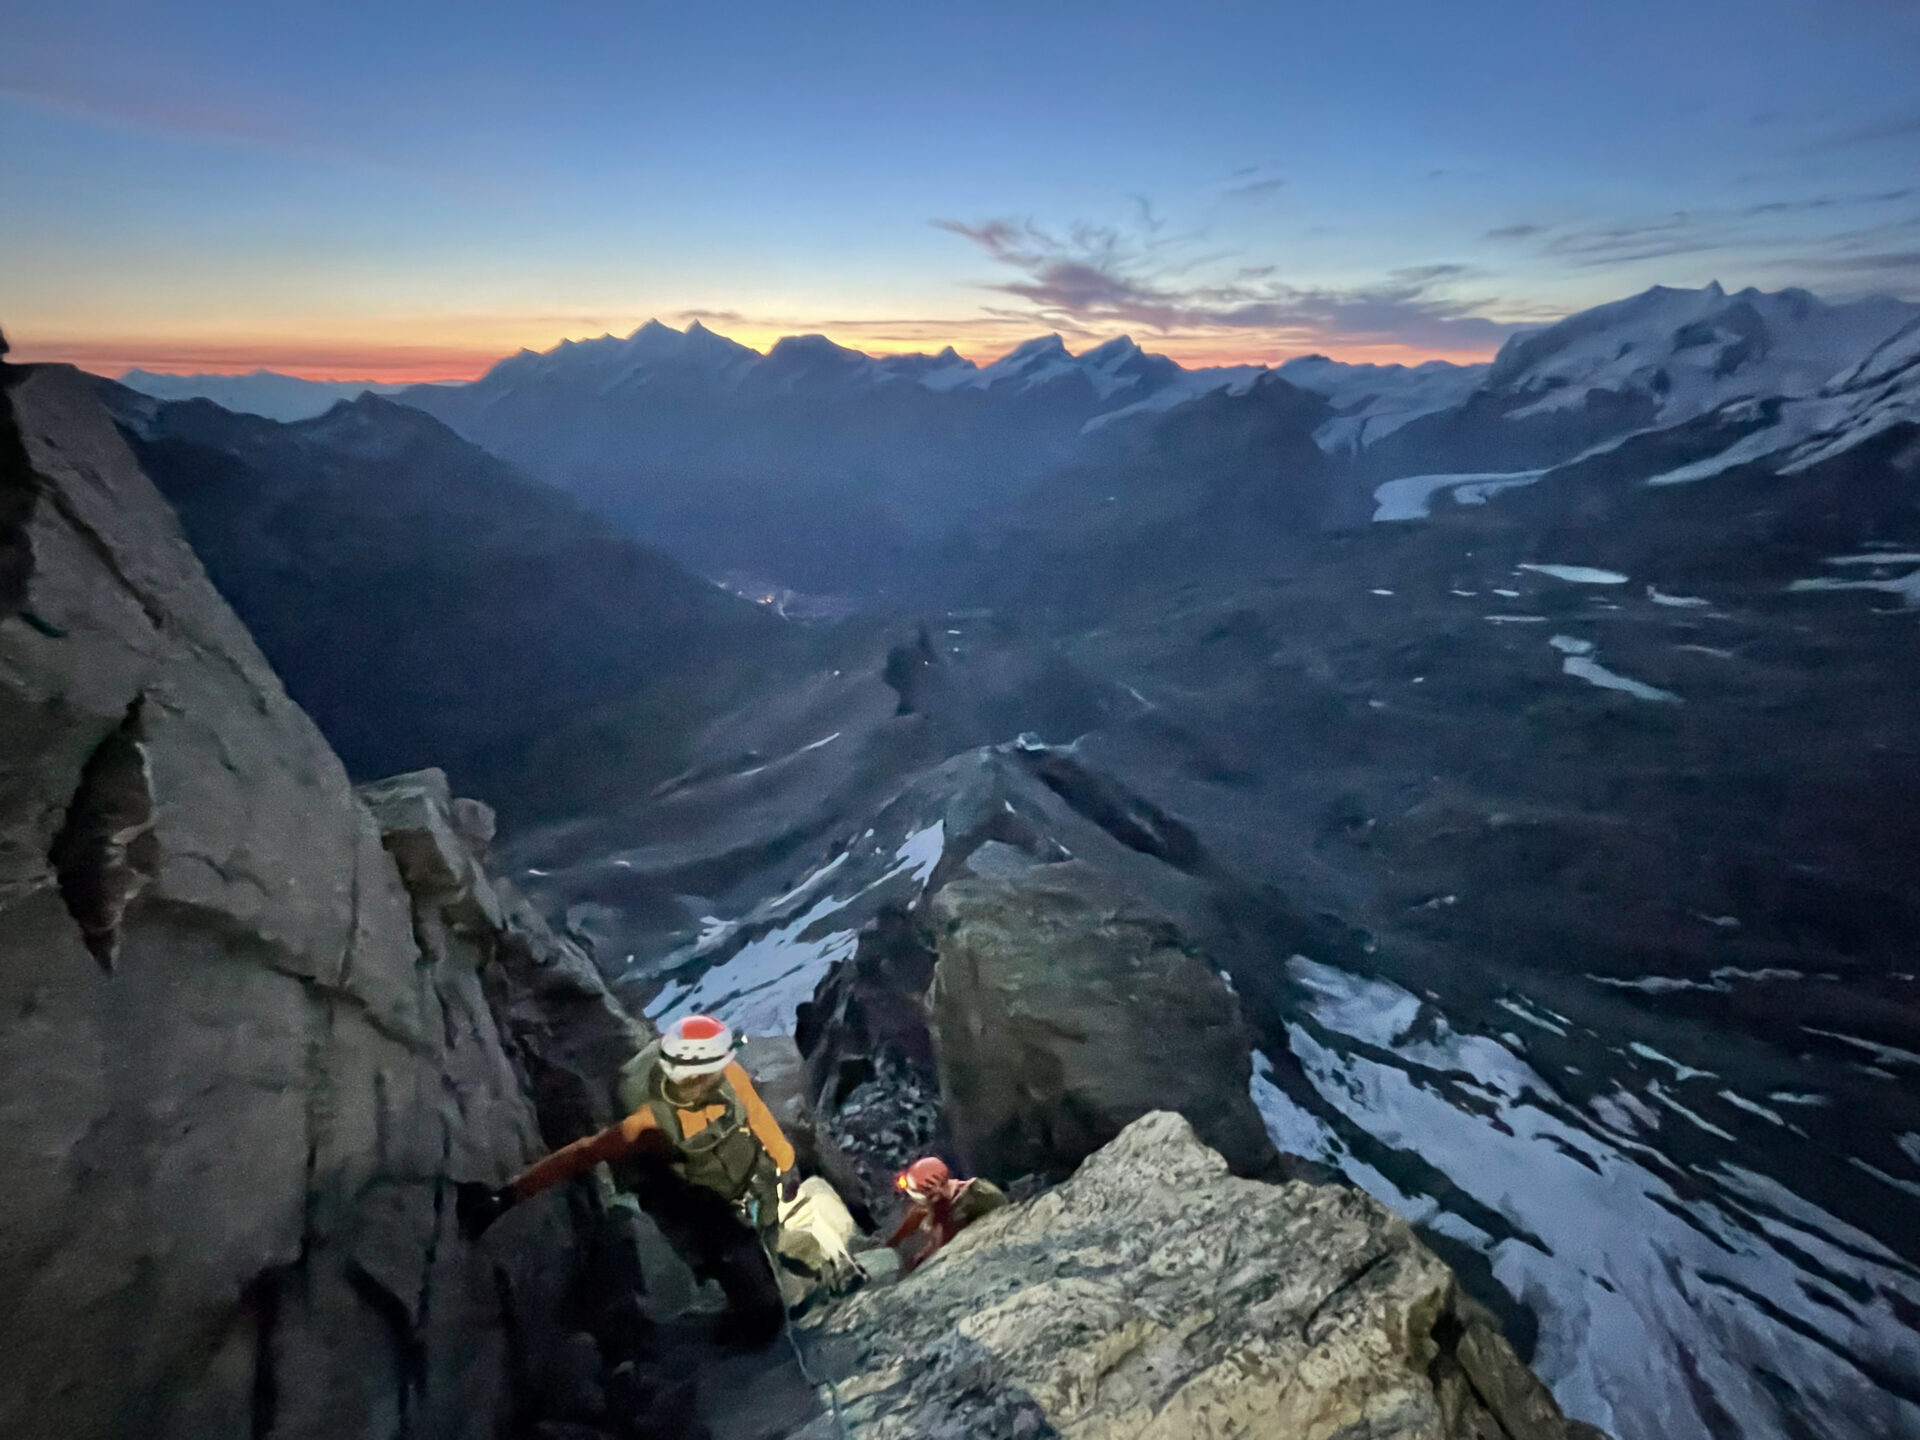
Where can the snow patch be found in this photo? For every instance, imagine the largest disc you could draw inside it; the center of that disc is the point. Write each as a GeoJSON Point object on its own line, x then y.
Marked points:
{"type": "Point", "coordinates": [1680, 1071]}
{"type": "Point", "coordinates": [1678, 602]}
{"type": "Point", "coordinates": [1515, 1007]}
{"type": "Point", "coordinates": [1883, 1177]}
{"type": "Point", "coordinates": [1292, 1129]}
{"type": "Point", "coordinates": [1885, 1054]}
{"type": "Point", "coordinates": [1798, 1097]}
{"type": "Point", "coordinates": [758, 989]}
{"type": "Point", "coordinates": [1578, 574]}
{"type": "Point", "coordinates": [1907, 587]}
{"type": "Point", "coordinates": [1740, 1102]}
{"type": "Point", "coordinates": [1720, 978]}
{"type": "Point", "coordinates": [1411, 496]}
{"type": "Point", "coordinates": [1584, 667]}
{"type": "Point", "coordinates": [1659, 1093]}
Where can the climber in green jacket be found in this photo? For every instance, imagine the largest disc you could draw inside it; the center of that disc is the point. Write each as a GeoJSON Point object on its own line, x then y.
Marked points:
{"type": "Point", "coordinates": [701, 1152]}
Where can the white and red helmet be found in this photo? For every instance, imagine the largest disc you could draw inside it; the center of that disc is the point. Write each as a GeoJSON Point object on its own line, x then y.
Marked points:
{"type": "Point", "coordinates": [924, 1178]}
{"type": "Point", "coordinates": [695, 1045]}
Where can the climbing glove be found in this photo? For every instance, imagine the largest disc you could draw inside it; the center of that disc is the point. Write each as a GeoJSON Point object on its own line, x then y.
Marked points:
{"type": "Point", "coordinates": [789, 1186]}
{"type": "Point", "coordinates": [478, 1206]}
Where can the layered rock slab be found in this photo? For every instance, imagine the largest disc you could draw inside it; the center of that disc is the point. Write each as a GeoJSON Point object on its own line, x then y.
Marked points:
{"type": "Point", "coordinates": [1155, 1296]}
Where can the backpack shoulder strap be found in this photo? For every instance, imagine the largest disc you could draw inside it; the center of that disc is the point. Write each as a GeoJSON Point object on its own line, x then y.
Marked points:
{"type": "Point", "coordinates": [635, 1087]}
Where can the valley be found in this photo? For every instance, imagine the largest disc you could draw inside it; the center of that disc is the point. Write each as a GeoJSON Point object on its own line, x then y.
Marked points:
{"type": "Point", "coordinates": [1535, 747]}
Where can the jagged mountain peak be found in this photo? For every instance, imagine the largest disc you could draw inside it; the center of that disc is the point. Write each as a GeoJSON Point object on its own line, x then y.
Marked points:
{"type": "Point", "coordinates": [1041, 347]}
{"type": "Point", "coordinates": [1119, 348]}
{"type": "Point", "coordinates": [811, 344]}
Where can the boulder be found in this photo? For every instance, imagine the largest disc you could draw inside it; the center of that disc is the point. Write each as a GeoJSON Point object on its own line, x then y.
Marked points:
{"type": "Point", "coordinates": [1061, 1012]}
{"type": "Point", "coordinates": [440, 865]}
{"type": "Point", "coordinates": [1155, 1296]}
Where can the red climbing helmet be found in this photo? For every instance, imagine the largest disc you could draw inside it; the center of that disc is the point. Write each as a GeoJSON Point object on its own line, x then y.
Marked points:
{"type": "Point", "coordinates": [695, 1045]}
{"type": "Point", "coordinates": [923, 1177]}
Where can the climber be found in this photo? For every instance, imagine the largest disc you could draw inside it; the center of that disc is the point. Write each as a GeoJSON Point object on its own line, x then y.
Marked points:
{"type": "Point", "coordinates": [939, 1205]}
{"type": "Point", "coordinates": [702, 1153]}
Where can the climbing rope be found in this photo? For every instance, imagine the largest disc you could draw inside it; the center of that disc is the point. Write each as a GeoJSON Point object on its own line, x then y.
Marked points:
{"type": "Point", "coordinates": [799, 1356]}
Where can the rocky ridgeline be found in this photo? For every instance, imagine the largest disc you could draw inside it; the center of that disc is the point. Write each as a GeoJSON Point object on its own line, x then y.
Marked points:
{"type": "Point", "coordinates": [256, 1027]}
{"type": "Point", "coordinates": [1063, 972]}
{"type": "Point", "coordinates": [1154, 1296]}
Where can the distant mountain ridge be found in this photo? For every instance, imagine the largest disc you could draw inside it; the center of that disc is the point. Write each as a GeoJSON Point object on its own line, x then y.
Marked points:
{"type": "Point", "coordinates": [833, 472]}
{"type": "Point", "coordinates": [842, 472]}
{"type": "Point", "coordinates": [260, 392]}
{"type": "Point", "coordinates": [427, 603]}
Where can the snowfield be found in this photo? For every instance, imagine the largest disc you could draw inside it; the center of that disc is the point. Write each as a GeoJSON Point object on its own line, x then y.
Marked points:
{"type": "Point", "coordinates": [1625, 1254]}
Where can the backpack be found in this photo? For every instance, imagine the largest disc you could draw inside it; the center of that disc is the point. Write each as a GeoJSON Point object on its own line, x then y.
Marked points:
{"type": "Point", "coordinates": [724, 1157]}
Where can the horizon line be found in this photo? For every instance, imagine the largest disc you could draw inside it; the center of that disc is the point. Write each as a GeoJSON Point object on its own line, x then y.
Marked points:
{"type": "Point", "coordinates": [401, 364]}
{"type": "Point", "coordinates": [361, 360]}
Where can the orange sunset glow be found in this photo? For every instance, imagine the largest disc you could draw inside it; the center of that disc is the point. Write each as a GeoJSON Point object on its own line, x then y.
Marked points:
{"type": "Point", "coordinates": [386, 363]}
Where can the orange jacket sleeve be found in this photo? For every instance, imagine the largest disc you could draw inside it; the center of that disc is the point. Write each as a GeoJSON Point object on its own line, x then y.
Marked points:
{"type": "Point", "coordinates": [581, 1156]}
{"type": "Point", "coordinates": [916, 1217]}
{"type": "Point", "coordinates": [760, 1119]}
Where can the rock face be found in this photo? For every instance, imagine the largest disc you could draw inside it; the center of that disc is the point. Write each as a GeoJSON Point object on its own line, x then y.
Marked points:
{"type": "Point", "coordinates": [250, 1042]}
{"type": "Point", "coordinates": [566, 1030]}
{"type": "Point", "coordinates": [1060, 1013]}
{"type": "Point", "coordinates": [1156, 1297]}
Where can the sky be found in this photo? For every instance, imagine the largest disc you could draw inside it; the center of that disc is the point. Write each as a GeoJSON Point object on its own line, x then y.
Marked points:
{"type": "Point", "coordinates": [406, 191]}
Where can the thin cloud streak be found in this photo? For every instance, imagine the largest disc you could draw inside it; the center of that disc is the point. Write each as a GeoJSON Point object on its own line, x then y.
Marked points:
{"type": "Point", "coordinates": [1092, 278]}
{"type": "Point", "coordinates": [1749, 236]}
{"type": "Point", "coordinates": [1893, 127]}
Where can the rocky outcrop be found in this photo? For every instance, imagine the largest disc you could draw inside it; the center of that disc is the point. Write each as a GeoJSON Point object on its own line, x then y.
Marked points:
{"type": "Point", "coordinates": [568, 1033]}
{"type": "Point", "coordinates": [250, 1038]}
{"type": "Point", "coordinates": [1061, 1012]}
{"type": "Point", "coordinates": [1156, 1297]}
{"type": "Point", "coordinates": [1060, 974]}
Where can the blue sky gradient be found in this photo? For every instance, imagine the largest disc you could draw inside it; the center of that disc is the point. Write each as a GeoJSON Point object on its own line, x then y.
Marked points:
{"type": "Point", "coordinates": [394, 191]}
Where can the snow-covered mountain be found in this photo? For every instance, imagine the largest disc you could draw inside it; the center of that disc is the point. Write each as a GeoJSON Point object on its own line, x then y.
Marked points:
{"type": "Point", "coordinates": [260, 392]}
{"type": "Point", "coordinates": [1119, 374]}
{"type": "Point", "coordinates": [610, 363]}
{"type": "Point", "coordinates": [1690, 351]}
{"type": "Point", "coordinates": [1372, 401]}
{"type": "Point", "coordinates": [1655, 361]}
{"type": "Point", "coordinates": [1800, 431]}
